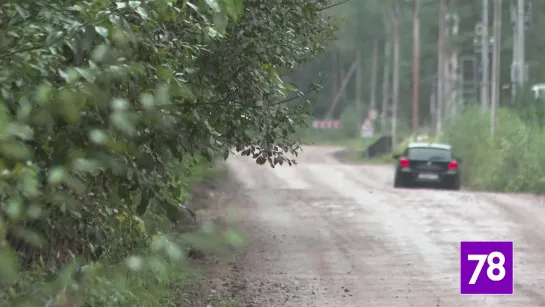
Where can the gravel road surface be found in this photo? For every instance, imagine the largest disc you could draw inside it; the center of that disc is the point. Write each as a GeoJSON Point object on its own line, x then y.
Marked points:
{"type": "Point", "coordinates": [324, 233]}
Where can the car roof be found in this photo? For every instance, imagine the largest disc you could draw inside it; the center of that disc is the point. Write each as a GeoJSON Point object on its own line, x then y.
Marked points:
{"type": "Point", "coordinates": [430, 145]}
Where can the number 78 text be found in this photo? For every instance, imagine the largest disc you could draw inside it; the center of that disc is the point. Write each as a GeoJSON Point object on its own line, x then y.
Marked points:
{"type": "Point", "coordinates": [496, 269]}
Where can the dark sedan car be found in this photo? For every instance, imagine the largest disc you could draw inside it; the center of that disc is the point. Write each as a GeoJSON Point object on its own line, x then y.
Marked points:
{"type": "Point", "coordinates": [428, 164]}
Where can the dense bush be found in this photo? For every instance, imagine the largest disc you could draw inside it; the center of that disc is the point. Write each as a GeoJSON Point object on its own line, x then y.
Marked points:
{"type": "Point", "coordinates": [511, 160]}
{"type": "Point", "coordinates": [105, 109]}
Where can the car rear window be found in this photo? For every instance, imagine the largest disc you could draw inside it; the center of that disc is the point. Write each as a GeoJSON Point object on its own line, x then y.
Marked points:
{"type": "Point", "coordinates": [427, 153]}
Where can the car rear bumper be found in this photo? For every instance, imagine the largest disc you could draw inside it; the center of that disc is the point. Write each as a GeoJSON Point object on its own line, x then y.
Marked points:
{"type": "Point", "coordinates": [448, 177]}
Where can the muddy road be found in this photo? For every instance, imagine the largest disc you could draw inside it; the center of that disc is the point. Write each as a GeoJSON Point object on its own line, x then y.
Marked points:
{"type": "Point", "coordinates": [324, 233]}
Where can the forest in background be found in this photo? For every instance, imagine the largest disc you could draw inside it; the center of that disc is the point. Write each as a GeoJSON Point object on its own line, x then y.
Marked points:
{"type": "Point", "coordinates": [363, 23]}
{"type": "Point", "coordinates": [511, 158]}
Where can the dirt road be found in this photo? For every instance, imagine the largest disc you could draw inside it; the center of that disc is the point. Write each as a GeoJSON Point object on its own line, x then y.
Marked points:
{"type": "Point", "coordinates": [328, 234]}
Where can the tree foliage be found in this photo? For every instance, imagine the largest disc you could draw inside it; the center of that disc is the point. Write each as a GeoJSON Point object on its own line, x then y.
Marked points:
{"type": "Point", "coordinates": [106, 107]}
{"type": "Point", "coordinates": [364, 22]}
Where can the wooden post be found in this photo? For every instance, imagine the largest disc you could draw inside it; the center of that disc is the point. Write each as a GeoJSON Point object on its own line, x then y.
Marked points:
{"type": "Point", "coordinates": [440, 70]}
{"type": "Point", "coordinates": [386, 72]}
{"type": "Point", "coordinates": [521, 41]}
{"type": "Point", "coordinates": [395, 90]}
{"type": "Point", "coordinates": [357, 87]}
{"type": "Point", "coordinates": [340, 74]}
{"type": "Point", "coordinates": [454, 71]}
{"type": "Point", "coordinates": [341, 90]}
{"type": "Point", "coordinates": [334, 75]}
{"type": "Point", "coordinates": [496, 65]}
{"type": "Point", "coordinates": [416, 64]}
{"type": "Point", "coordinates": [373, 92]}
{"type": "Point", "coordinates": [485, 62]}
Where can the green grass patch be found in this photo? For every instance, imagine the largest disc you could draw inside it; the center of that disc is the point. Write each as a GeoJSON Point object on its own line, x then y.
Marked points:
{"type": "Point", "coordinates": [334, 138]}
{"type": "Point", "coordinates": [510, 161]}
{"type": "Point", "coordinates": [354, 152]}
{"type": "Point", "coordinates": [355, 143]}
{"type": "Point", "coordinates": [357, 157]}
{"type": "Point", "coordinates": [354, 146]}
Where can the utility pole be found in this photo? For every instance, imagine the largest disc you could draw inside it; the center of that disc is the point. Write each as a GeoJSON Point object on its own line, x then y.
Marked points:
{"type": "Point", "coordinates": [518, 66]}
{"type": "Point", "coordinates": [453, 65]}
{"type": "Point", "coordinates": [340, 74]}
{"type": "Point", "coordinates": [341, 89]}
{"type": "Point", "coordinates": [440, 69]}
{"type": "Point", "coordinates": [485, 61]}
{"type": "Point", "coordinates": [395, 87]}
{"type": "Point", "coordinates": [334, 74]}
{"type": "Point", "coordinates": [373, 98]}
{"type": "Point", "coordinates": [359, 106]}
{"type": "Point", "coordinates": [386, 71]}
{"type": "Point", "coordinates": [416, 64]}
{"type": "Point", "coordinates": [514, 61]}
{"type": "Point", "coordinates": [496, 65]}
{"type": "Point", "coordinates": [447, 86]}
{"type": "Point", "coordinates": [521, 43]}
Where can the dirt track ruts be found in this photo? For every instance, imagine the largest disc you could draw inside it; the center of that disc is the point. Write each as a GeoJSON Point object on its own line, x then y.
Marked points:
{"type": "Point", "coordinates": [323, 233]}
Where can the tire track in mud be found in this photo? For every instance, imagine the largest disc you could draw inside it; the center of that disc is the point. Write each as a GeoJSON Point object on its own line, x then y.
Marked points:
{"type": "Point", "coordinates": [257, 281]}
{"type": "Point", "coordinates": [450, 200]}
{"type": "Point", "coordinates": [332, 270]}
{"type": "Point", "coordinates": [333, 266]}
{"type": "Point", "coordinates": [409, 287]}
{"type": "Point", "coordinates": [378, 177]}
{"type": "Point", "coordinates": [271, 275]}
{"type": "Point", "coordinates": [529, 232]}
{"type": "Point", "coordinates": [531, 225]}
{"type": "Point", "coordinates": [390, 247]}
{"type": "Point", "coordinates": [320, 289]}
{"type": "Point", "coordinates": [409, 195]}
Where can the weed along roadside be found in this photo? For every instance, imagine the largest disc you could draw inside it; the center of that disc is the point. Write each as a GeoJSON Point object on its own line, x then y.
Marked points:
{"type": "Point", "coordinates": [510, 161]}
{"type": "Point", "coordinates": [515, 149]}
{"type": "Point", "coordinates": [110, 114]}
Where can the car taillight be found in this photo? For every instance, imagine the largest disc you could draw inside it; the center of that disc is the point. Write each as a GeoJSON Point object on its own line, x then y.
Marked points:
{"type": "Point", "coordinates": [453, 165]}
{"type": "Point", "coordinates": [404, 162]}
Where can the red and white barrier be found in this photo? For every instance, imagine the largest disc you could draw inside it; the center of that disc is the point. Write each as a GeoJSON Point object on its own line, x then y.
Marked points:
{"type": "Point", "coordinates": [326, 124]}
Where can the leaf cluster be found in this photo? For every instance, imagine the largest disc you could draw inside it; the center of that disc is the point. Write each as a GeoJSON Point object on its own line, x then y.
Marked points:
{"type": "Point", "coordinates": [107, 106]}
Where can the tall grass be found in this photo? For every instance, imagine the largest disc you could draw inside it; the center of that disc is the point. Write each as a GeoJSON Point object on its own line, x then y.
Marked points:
{"type": "Point", "coordinates": [512, 160]}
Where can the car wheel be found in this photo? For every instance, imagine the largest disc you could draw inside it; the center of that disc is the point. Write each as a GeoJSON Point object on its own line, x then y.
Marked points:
{"type": "Point", "coordinates": [397, 182]}
{"type": "Point", "coordinates": [456, 185]}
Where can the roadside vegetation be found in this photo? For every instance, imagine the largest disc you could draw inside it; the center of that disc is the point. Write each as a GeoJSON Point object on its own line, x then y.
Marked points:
{"type": "Point", "coordinates": [348, 136]}
{"type": "Point", "coordinates": [110, 111]}
{"type": "Point", "coordinates": [509, 161]}
{"type": "Point", "coordinates": [512, 159]}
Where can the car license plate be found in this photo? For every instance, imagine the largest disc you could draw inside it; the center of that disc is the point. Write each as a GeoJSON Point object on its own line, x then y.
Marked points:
{"type": "Point", "coordinates": [428, 176]}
